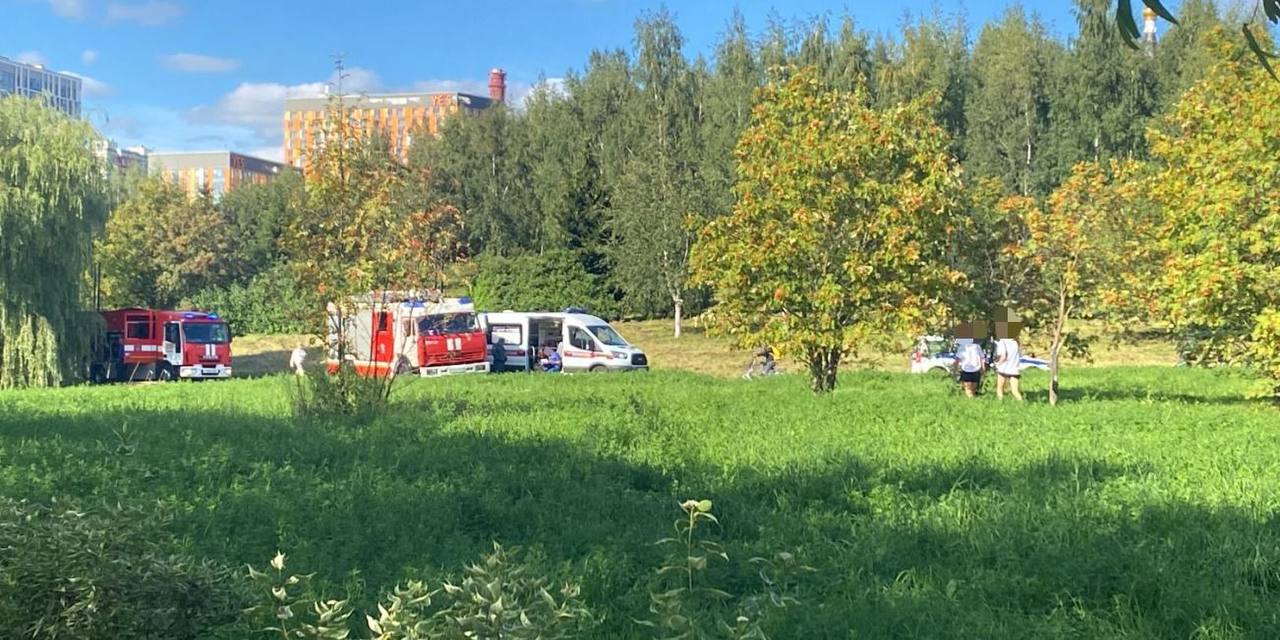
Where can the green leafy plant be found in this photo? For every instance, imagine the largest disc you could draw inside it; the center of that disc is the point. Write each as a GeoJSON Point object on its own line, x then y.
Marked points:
{"type": "Point", "coordinates": [110, 573]}
{"type": "Point", "coordinates": [497, 598]}
{"type": "Point", "coordinates": [695, 609]}
{"type": "Point", "coordinates": [291, 612]}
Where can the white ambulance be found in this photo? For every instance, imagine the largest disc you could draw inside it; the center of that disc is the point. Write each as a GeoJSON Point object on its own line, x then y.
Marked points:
{"type": "Point", "coordinates": [585, 342]}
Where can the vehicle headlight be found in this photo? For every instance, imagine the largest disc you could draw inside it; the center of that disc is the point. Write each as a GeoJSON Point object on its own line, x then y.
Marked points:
{"type": "Point", "coordinates": [618, 355]}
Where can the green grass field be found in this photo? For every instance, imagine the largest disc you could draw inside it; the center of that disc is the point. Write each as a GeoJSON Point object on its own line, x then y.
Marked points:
{"type": "Point", "coordinates": [1144, 507]}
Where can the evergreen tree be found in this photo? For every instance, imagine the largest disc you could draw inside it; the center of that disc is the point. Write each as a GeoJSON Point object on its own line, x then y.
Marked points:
{"type": "Point", "coordinates": [933, 58]}
{"type": "Point", "coordinates": [852, 60]}
{"type": "Point", "coordinates": [1104, 93]}
{"type": "Point", "coordinates": [480, 165]}
{"type": "Point", "coordinates": [1007, 114]}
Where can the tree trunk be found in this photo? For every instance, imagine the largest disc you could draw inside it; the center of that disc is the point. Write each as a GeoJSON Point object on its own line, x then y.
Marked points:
{"type": "Point", "coordinates": [824, 364]}
{"type": "Point", "coordinates": [679, 304]}
{"type": "Point", "coordinates": [1055, 349]}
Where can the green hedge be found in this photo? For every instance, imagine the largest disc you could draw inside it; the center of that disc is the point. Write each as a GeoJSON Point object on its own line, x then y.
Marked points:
{"type": "Point", "coordinates": [272, 302]}
{"type": "Point", "coordinates": [549, 281]}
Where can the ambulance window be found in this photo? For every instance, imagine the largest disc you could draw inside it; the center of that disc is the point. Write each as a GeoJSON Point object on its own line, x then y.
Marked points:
{"type": "Point", "coordinates": [580, 339]}
{"type": "Point", "coordinates": [511, 334]}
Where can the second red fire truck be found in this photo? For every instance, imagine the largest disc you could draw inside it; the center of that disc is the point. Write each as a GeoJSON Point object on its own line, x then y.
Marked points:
{"type": "Point", "coordinates": [399, 332]}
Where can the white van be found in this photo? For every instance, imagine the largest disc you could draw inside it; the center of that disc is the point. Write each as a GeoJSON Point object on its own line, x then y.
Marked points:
{"type": "Point", "coordinates": [585, 342]}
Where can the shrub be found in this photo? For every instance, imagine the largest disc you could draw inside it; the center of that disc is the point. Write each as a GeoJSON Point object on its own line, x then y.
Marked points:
{"type": "Point", "coordinates": [498, 597]}
{"type": "Point", "coordinates": [547, 282]}
{"type": "Point", "coordinates": [68, 573]}
{"type": "Point", "coordinates": [272, 302]}
{"type": "Point", "coordinates": [344, 394]}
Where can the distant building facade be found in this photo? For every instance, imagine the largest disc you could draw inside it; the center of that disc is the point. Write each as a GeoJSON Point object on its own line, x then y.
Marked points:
{"type": "Point", "coordinates": [397, 116]}
{"type": "Point", "coordinates": [62, 91]}
{"type": "Point", "coordinates": [121, 158]}
{"type": "Point", "coordinates": [214, 172]}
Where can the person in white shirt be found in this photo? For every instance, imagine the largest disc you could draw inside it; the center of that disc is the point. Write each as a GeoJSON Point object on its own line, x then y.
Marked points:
{"type": "Point", "coordinates": [296, 360]}
{"type": "Point", "coordinates": [972, 363]}
{"type": "Point", "coordinates": [1008, 357]}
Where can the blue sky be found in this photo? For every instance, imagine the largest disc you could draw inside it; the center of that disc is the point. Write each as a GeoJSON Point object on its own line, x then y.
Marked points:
{"type": "Point", "coordinates": [202, 74]}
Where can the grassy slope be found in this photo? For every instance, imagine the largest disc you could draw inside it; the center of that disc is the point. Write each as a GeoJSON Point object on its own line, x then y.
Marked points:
{"type": "Point", "coordinates": [1144, 507]}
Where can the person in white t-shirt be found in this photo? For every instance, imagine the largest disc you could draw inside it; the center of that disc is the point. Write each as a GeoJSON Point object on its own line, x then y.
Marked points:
{"type": "Point", "coordinates": [1008, 357]}
{"type": "Point", "coordinates": [972, 362]}
{"type": "Point", "coordinates": [296, 360]}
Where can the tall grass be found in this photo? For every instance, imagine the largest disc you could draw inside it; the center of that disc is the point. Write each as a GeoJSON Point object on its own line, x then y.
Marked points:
{"type": "Point", "coordinates": [1145, 506]}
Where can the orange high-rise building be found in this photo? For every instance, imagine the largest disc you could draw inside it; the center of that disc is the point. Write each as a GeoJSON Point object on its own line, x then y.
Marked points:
{"type": "Point", "coordinates": [397, 116]}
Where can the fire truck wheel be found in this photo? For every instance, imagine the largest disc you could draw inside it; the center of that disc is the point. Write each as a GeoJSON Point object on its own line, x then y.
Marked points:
{"type": "Point", "coordinates": [166, 374]}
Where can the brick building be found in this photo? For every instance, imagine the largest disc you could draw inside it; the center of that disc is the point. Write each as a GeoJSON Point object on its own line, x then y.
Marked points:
{"type": "Point", "coordinates": [397, 116]}
{"type": "Point", "coordinates": [217, 172]}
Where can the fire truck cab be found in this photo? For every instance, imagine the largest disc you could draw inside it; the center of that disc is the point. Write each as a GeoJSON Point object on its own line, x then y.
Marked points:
{"type": "Point", "coordinates": [149, 344]}
{"type": "Point", "coordinates": [399, 332]}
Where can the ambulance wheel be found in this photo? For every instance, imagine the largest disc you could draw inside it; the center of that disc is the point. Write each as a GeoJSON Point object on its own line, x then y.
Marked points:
{"type": "Point", "coordinates": [598, 369]}
{"type": "Point", "coordinates": [166, 374]}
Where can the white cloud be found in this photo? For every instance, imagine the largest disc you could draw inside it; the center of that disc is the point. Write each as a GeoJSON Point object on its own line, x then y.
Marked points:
{"type": "Point", "coordinates": [74, 9]}
{"type": "Point", "coordinates": [32, 57]}
{"type": "Point", "coordinates": [170, 130]}
{"type": "Point", "coordinates": [152, 13]}
{"type": "Point", "coordinates": [88, 56]}
{"type": "Point", "coordinates": [92, 88]}
{"type": "Point", "coordinates": [260, 105]}
{"type": "Point", "coordinates": [275, 154]}
{"type": "Point", "coordinates": [196, 63]}
{"type": "Point", "coordinates": [473, 87]}
{"type": "Point", "coordinates": [249, 118]}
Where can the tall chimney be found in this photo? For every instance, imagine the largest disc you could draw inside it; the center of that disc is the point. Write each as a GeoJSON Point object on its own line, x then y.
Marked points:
{"type": "Point", "coordinates": [498, 85]}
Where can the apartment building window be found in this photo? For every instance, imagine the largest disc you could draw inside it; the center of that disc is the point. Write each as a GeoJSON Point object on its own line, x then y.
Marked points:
{"type": "Point", "coordinates": [219, 184]}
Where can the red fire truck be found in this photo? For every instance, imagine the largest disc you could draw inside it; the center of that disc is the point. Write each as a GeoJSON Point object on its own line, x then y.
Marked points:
{"type": "Point", "coordinates": [396, 332]}
{"type": "Point", "coordinates": [148, 344]}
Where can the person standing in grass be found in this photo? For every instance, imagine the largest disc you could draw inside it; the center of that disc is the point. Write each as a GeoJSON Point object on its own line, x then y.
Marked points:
{"type": "Point", "coordinates": [296, 360]}
{"type": "Point", "coordinates": [1008, 359]}
{"type": "Point", "coordinates": [972, 363]}
{"type": "Point", "coordinates": [498, 356]}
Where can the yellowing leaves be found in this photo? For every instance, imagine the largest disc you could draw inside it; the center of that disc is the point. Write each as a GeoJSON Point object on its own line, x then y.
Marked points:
{"type": "Point", "coordinates": [845, 227]}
